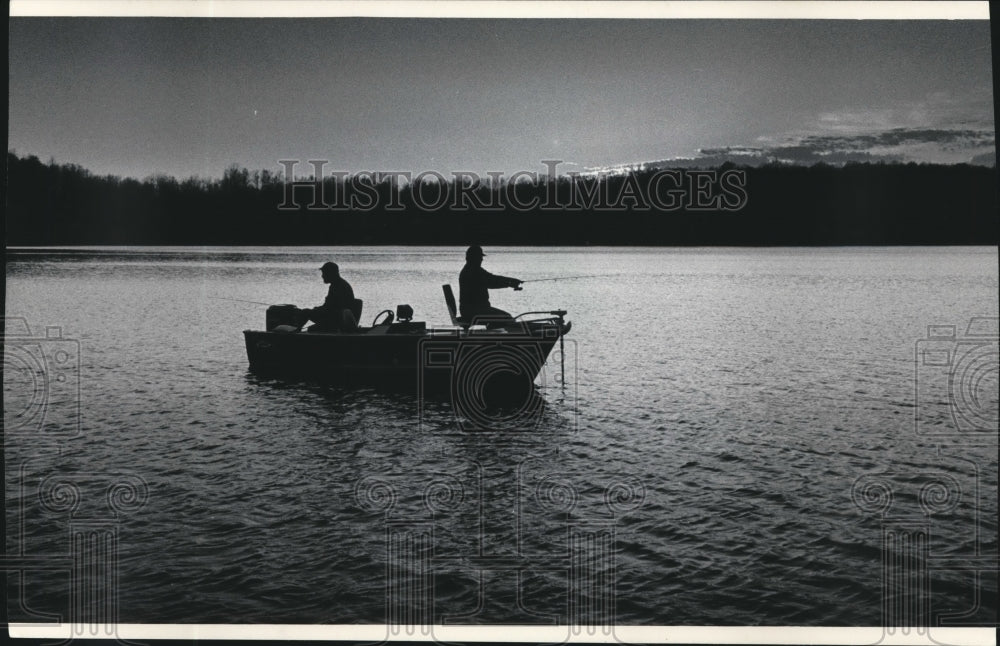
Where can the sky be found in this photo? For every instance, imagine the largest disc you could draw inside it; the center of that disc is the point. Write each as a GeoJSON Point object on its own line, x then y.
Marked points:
{"type": "Point", "coordinates": [191, 96]}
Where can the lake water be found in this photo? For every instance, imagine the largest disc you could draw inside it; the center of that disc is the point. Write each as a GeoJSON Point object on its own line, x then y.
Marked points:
{"type": "Point", "coordinates": [740, 434]}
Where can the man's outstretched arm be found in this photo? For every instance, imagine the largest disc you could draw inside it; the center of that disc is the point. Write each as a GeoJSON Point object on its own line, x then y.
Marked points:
{"type": "Point", "coordinates": [497, 282]}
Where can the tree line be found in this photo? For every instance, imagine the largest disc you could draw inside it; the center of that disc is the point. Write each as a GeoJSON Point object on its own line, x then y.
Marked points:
{"type": "Point", "coordinates": [774, 204]}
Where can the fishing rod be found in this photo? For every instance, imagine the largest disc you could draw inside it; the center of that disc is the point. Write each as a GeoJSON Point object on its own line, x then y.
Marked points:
{"type": "Point", "coordinates": [238, 300]}
{"type": "Point", "coordinates": [542, 280]}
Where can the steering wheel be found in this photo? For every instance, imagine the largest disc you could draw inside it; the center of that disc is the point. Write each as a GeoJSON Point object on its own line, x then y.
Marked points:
{"type": "Point", "coordinates": [389, 316]}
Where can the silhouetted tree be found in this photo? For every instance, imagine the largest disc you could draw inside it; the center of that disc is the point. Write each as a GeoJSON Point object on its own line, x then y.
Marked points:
{"type": "Point", "coordinates": [786, 205]}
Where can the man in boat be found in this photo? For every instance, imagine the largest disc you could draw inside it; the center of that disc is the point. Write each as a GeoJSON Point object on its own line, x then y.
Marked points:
{"type": "Point", "coordinates": [335, 314]}
{"type": "Point", "coordinates": [474, 284]}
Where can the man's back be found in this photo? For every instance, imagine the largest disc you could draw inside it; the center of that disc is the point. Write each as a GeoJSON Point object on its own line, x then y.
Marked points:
{"type": "Point", "coordinates": [473, 293]}
{"type": "Point", "coordinates": [340, 296]}
{"type": "Point", "coordinates": [474, 284]}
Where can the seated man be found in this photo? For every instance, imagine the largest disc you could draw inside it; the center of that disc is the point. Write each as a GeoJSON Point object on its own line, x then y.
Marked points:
{"type": "Point", "coordinates": [474, 284]}
{"type": "Point", "coordinates": [335, 313]}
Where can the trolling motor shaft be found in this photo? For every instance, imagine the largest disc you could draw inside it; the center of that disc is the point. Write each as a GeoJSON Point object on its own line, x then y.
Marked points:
{"type": "Point", "coordinates": [560, 317]}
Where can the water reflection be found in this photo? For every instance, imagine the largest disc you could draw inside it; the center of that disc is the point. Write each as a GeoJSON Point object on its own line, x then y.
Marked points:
{"type": "Point", "coordinates": [529, 421]}
{"type": "Point", "coordinates": [717, 435]}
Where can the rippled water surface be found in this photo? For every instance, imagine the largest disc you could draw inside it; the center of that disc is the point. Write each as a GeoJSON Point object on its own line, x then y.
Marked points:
{"type": "Point", "coordinates": [739, 431]}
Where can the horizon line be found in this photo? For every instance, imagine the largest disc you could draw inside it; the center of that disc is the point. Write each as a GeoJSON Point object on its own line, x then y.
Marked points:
{"type": "Point", "coordinates": [689, 163]}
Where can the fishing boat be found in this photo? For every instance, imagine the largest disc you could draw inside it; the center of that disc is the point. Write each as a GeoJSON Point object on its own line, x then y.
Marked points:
{"type": "Point", "coordinates": [485, 360]}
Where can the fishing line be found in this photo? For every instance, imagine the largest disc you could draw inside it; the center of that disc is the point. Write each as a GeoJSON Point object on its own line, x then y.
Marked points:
{"type": "Point", "coordinates": [238, 300]}
{"type": "Point", "coordinates": [541, 280]}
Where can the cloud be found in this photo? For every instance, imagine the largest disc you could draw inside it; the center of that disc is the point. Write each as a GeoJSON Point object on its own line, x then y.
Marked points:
{"type": "Point", "coordinates": [900, 137]}
{"type": "Point", "coordinates": [935, 110]}
{"type": "Point", "coordinates": [893, 145]}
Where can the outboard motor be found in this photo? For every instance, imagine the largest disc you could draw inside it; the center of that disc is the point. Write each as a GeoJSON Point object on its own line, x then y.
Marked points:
{"type": "Point", "coordinates": [284, 315]}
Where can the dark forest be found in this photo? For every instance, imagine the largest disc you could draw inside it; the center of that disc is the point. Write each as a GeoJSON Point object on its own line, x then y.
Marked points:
{"type": "Point", "coordinates": [774, 204]}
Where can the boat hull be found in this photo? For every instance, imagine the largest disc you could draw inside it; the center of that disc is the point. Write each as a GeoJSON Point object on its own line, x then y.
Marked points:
{"type": "Point", "coordinates": [487, 366]}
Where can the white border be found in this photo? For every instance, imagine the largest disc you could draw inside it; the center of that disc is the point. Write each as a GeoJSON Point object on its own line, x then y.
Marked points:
{"type": "Point", "coordinates": [551, 634]}
{"type": "Point", "coordinates": [742, 10]}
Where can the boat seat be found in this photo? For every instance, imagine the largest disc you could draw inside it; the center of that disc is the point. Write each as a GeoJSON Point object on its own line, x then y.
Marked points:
{"type": "Point", "coordinates": [356, 306]}
{"type": "Point", "coordinates": [449, 299]}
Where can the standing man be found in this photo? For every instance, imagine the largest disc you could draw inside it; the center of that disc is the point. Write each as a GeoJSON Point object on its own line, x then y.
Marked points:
{"type": "Point", "coordinates": [474, 284]}
{"type": "Point", "coordinates": [335, 313]}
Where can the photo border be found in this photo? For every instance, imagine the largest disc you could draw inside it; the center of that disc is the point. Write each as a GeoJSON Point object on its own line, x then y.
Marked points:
{"type": "Point", "coordinates": [562, 9]}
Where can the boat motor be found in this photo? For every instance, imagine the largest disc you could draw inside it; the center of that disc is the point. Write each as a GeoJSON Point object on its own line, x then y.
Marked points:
{"type": "Point", "coordinates": [284, 315]}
